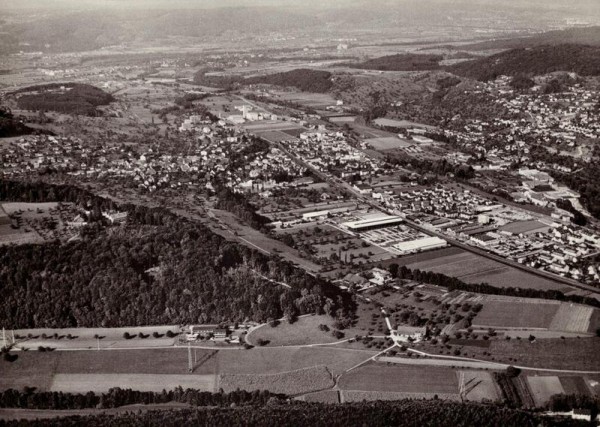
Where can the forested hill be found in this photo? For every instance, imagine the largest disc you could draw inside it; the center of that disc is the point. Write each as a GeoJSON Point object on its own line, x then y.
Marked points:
{"type": "Point", "coordinates": [157, 269]}
{"type": "Point", "coordinates": [71, 98]}
{"type": "Point", "coordinates": [401, 62]}
{"type": "Point", "coordinates": [303, 79]}
{"type": "Point", "coordinates": [581, 59]}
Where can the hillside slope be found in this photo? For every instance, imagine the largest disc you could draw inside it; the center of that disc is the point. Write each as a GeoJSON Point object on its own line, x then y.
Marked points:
{"type": "Point", "coordinates": [581, 59]}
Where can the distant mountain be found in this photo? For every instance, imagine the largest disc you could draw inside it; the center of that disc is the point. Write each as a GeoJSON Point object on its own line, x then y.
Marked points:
{"type": "Point", "coordinates": [585, 35]}
{"type": "Point", "coordinates": [401, 62]}
{"type": "Point", "coordinates": [581, 59]}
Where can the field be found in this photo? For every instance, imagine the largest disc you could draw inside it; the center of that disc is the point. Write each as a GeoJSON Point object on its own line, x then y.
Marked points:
{"type": "Point", "coordinates": [542, 388]}
{"type": "Point", "coordinates": [295, 382]}
{"type": "Point", "coordinates": [553, 353]}
{"type": "Point", "coordinates": [574, 385]}
{"type": "Point", "coordinates": [388, 143]}
{"type": "Point", "coordinates": [572, 317]}
{"type": "Point", "coordinates": [516, 314]}
{"type": "Point", "coordinates": [400, 378]}
{"type": "Point", "coordinates": [325, 396]}
{"type": "Point", "coordinates": [359, 396]}
{"type": "Point", "coordinates": [473, 268]}
{"type": "Point", "coordinates": [304, 331]}
{"type": "Point", "coordinates": [478, 386]}
{"type": "Point", "coordinates": [82, 383]}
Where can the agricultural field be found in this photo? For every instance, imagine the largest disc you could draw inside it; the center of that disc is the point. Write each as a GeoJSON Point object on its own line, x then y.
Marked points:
{"type": "Point", "coordinates": [82, 383]}
{"type": "Point", "coordinates": [295, 382]}
{"type": "Point", "coordinates": [359, 396]}
{"type": "Point", "coordinates": [542, 388]}
{"type": "Point", "coordinates": [400, 379]}
{"type": "Point", "coordinates": [573, 318]}
{"type": "Point", "coordinates": [516, 313]}
{"type": "Point", "coordinates": [473, 268]}
{"type": "Point", "coordinates": [478, 386]}
{"type": "Point", "coordinates": [304, 331]}
{"type": "Point", "coordinates": [574, 385]}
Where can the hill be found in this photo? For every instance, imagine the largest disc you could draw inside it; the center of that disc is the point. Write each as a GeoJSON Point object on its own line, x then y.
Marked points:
{"type": "Point", "coordinates": [303, 79]}
{"type": "Point", "coordinates": [581, 59]}
{"type": "Point", "coordinates": [72, 98]}
{"type": "Point", "coordinates": [401, 62]}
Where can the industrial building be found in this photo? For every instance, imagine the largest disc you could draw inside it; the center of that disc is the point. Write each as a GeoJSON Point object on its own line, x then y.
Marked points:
{"type": "Point", "coordinates": [419, 245]}
{"type": "Point", "coordinates": [373, 223]}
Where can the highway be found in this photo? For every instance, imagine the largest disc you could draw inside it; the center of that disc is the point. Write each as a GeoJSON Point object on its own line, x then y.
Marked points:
{"type": "Point", "coordinates": [342, 185]}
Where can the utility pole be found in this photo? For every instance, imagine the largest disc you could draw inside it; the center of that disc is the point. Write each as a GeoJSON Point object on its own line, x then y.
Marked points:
{"type": "Point", "coordinates": [190, 365]}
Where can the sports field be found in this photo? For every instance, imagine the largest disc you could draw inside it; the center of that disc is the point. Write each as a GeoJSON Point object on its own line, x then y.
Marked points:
{"type": "Point", "coordinates": [388, 143]}
{"type": "Point", "coordinates": [519, 227]}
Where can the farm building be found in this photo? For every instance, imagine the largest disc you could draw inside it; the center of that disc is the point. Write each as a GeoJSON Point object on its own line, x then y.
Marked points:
{"type": "Point", "coordinates": [419, 245]}
{"type": "Point", "coordinates": [411, 333]}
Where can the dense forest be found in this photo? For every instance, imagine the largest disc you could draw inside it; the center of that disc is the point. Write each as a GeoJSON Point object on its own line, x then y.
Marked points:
{"type": "Point", "coordinates": [581, 59]}
{"type": "Point", "coordinates": [586, 183]}
{"type": "Point", "coordinates": [156, 269]}
{"type": "Point", "coordinates": [453, 283]}
{"type": "Point", "coordinates": [77, 98]}
{"type": "Point", "coordinates": [303, 79]}
{"type": "Point", "coordinates": [394, 413]}
{"type": "Point", "coordinates": [11, 125]}
{"type": "Point", "coordinates": [401, 62]}
{"type": "Point", "coordinates": [237, 204]}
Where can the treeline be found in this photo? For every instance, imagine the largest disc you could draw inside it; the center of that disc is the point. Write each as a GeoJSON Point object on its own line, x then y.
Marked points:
{"type": "Point", "coordinates": [585, 182]}
{"type": "Point", "coordinates": [78, 99]}
{"type": "Point", "coordinates": [11, 125]}
{"type": "Point", "coordinates": [374, 414]}
{"type": "Point", "coordinates": [426, 166]}
{"type": "Point", "coordinates": [581, 59]}
{"type": "Point", "coordinates": [401, 62]}
{"type": "Point", "coordinates": [453, 283]}
{"type": "Point", "coordinates": [157, 269]}
{"type": "Point", "coordinates": [116, 397]}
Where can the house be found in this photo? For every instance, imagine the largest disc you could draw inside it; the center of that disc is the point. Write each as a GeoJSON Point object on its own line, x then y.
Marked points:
{"type": "Point", "coordinates": [380, 276]}
{"type": "Point", "coordinates": [203, 330]}
{"type": "Point", "coordinates": [411, 333]}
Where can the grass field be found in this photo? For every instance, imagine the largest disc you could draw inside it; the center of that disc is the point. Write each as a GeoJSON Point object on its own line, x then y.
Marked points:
{"type": "Point", "coordinates": [400, 378]}
{"type": "Point", "coordinates": [478, 386]}
{"type": "Point", "coordinates": [542, 388]}
{"type": "Point", "coordinates": [82, 383]}
{"type": "Point", "coordinates": [295, 382]}
{"type": "Point", "coordinates": [513, 314]}
{"type": "Point", "coordinates": [304, 331]}
{"type": "Point", "coordinates": [388, 143]}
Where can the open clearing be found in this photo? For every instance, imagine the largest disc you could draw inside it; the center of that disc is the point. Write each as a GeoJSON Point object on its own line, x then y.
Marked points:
{"type": "Point", "coordinates": [542, 388]}
{"type": "Point", "coordinates": [516, 314]}
{"type": "Point", "coordinates": [291, 383]}
{"type": "Point", "coordinates": [82, 383]}
{"type": "Point", "coordinates": [304, 331]}
{"type": "Point", "coordinates": [400, 378]}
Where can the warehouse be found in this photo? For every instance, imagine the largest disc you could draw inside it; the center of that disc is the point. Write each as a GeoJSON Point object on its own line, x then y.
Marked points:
{"type": "Point", "coordinates": [420, 245]}
{"type": "Point", "coordinates": [379, 221]}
